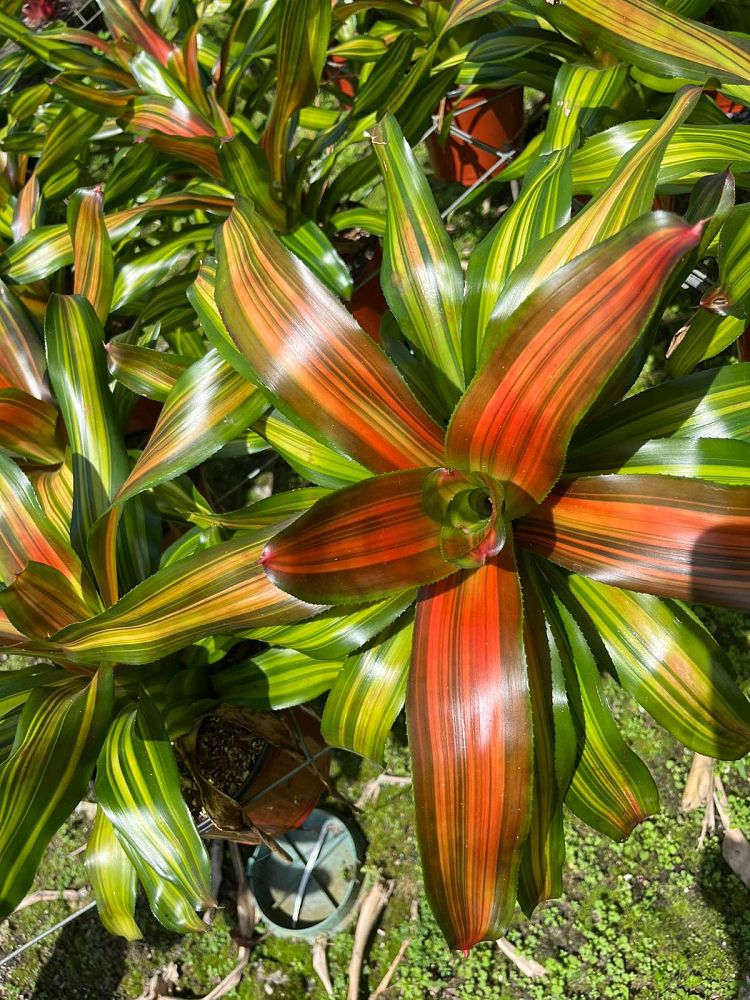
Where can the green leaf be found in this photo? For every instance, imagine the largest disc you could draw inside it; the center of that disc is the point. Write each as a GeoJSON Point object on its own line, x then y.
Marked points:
{"type": "Point", "coordinates": [654, 38]}
{"type": "Point", "coordinates": [92, 250]}
{"type": "Point", "coordinates": [312, 246]}
{"type": "Point", "coordinates": [421, 274]}
{"type": "Point", "coordinates": [308, 457]}
{"type": "Point", "coordinates": [555, 751]}
{"type": "Point", "coordinates": [369, 692]}
{"type": "Point", "coordinates": [112, 878]}
{"type": "Point", "coordinates": [708, 404]}
{"type": "Point", "coordinates": [611, 788]}
{"type": "Point", "coordinates": [143, 271]}
{"type": "Point", "coordinates": [333, 635]}
{"type": "Point", "coordinates": [59, 735]}
{"type": "Point", "coordinates": [143, 370]}
{"type": "Point", "coordinates": [302, 41]}
{"type": "Point", "coordinates": [543, 206]}
{"type": "Point", "coordinates": [208, 405]}
{"type": "Point", "coordinates": [673, 667]}
{"type": "Point", "coordinates": [138, 789]}
{"type": "Point", "coordinates": [277, 678]}
{"type": "Point", "coordinates": [628, 194]}
{"type": "Point", "coordinates": [717, 460]}
{"type": "Point", "coordinates": [217, 591]}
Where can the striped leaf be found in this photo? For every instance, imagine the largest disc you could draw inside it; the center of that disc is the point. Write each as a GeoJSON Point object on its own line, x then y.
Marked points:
{"type": "Point", "coordinates": [93, 263]}
{"type": "Point", "coordinates": [714, 459]}
{"type": "Point", "coordinates": [54, 488]}
{"type": "Point", "coordinates": [543, 206]}
{"type": "Point", "coordinates": [671, 537]}
{"type": "Point", "coordinates": [144, 271]}
{"type": "Point", "coordinates": [307, 456]}
{"type": "Point", "coordinates": [59, 736]}
{"type": "Point", "coordinates": [208, 405]}
{"type": "Point", "coordinates": [333, 635]}
{"type": "Point", "coordinates": [694, 151]}
{"type": "Point", "coordinates": [124, 17]}
{"type": "Point", "coordinates": [277, 678]}
{"type": "Point", "coordinates": [421, 274]}
{"type": "Point", "coordinates": [583, 94]}
{"type": "Point", "coordinates": [510, 424]}
{"type": "Point", "coordinates": [17, 685]}
{"type": "Point", "coordinates": [48, 248]}
{"type": "Point", "coordinates": [64, 139]}
{"type": "Point", "coordinates": [673, 667]}
{"type": "Point", "coordinates": [27, 534]}
{"type": "Point", "coordinates": [112, 878]}
{"type": "Point", "coordinates": [361, 543]}
{"type": "Point", "coordinates": [275, 309]}
{"type": "Point", "coordinates": [628, 193]}
{"type": "Point", "coordinates": [22, 363]}
{"type": "Point", "coordinates": [28, 427]}
{"type": "Point", "coordinates": [708, 404]}
{"type": "Point", "coordinates": [369, 692]}
{"type": "Point", "coordinates": [611, 789]}
{"type": "Point", "coordinates": [301, 45]}
{"type": "Point", "coordinates": [659, 40]}
{"type": "Point", "coordinates": [469, 724]}
{"type": "Point", "coordinates": [143, 370]}
{"type": "Point", "coordinates": [217, 591]}
{"type": "Point", "coordinates": [78, 372]}
{"type": "Point", "coordinates": [555, 751]}
{"type": "Point", "coordinates": [108, 102]}
{"type": "Point", "coordinates": [466, 10]}
{"type": "Point", "coordinates": [40, 601]}
{"type": "Point", "coordinates": [138, 789]}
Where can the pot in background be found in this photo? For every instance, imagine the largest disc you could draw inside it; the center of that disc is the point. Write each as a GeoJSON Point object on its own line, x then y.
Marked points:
{"type": "Point", "coordinates": [494, 118]}
{"type": "Point", "coordinates": [367, 304]}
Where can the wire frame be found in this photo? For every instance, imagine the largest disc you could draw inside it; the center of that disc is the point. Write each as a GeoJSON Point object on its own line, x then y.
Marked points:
{"type": "Point", "coordinates": [83, 14]}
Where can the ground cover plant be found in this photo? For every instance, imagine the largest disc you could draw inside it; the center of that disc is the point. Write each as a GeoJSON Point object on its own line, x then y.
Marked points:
{"type": "Point", "coordinates": [489, 512]}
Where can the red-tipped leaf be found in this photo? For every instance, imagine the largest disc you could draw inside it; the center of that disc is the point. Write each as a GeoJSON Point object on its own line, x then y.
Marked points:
{"type": "Point", "coordinates": [361, 543]}
{"type": "Point", "coordinates": [470, 735]}
{"type": "Point", "coordinates": [303, 346]}
{"type": "Point", "coordinates": [655, 534]}
{"type": "Point", "coordinates": [557, 353]}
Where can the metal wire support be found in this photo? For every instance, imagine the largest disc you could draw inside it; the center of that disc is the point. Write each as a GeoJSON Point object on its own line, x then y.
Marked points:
{"type": "Point", "coordinates": [50, 930]}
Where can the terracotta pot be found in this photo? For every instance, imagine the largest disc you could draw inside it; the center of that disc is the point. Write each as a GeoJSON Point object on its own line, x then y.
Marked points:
{"type": "Point", "coordinates": [337, 72]}
{"type": "Point", "coordinates": [284, 785]}
{"type": "Point", "coordinates": [143, 416]}
{"type": "Point", "coordinates": [288, 804]}
{"type": "Point", "coordinates": [728, 105]}
{"type": "Point", "coordinates": [492, 117]}
{"type": "Point", "coordinates": [367, 304]}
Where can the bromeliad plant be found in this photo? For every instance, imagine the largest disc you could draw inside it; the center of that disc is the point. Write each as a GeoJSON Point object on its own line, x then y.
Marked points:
{"type": "Point", "coordinates": [484, 492]}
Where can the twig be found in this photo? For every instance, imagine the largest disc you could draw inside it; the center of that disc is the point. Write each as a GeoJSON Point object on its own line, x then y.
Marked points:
{"type": "Point", "coordinates": [699, 791]}
{"type": "Point", "coordinates": [246, 920]}
{"type": "Point", "coordinates": [371, 789]}
{"type": "Point", "coordinates": [528, 966]}
{"type": "Point", "coordinates": [51, 895]}
{"type": "Point", "coordinates": [385, 982]}
{"type": "Point", "coordinates": [320, 962]}
{"type": "Point", "coordinates": [372, 906]}
{"type": "Point", "coordinates": [162, 983]}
